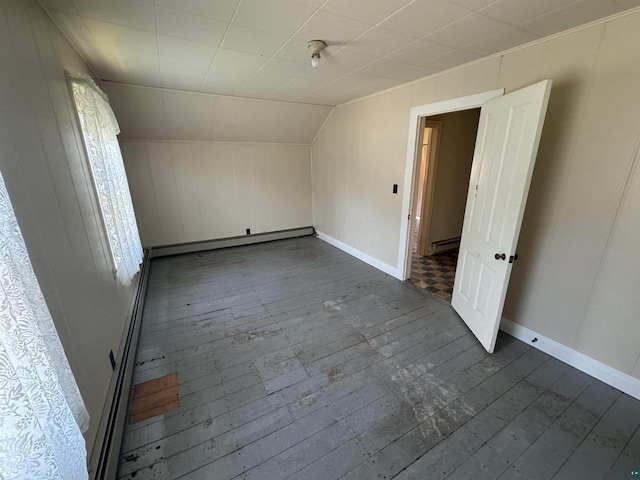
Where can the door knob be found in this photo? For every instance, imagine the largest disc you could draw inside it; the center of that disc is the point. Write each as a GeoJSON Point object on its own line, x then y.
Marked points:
{"type": "Point", "coordinates": [500, 256]}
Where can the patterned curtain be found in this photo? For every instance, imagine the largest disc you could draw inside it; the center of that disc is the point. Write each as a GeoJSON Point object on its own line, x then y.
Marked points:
{"type": "Point", "coordinates": [42, 415]}
{"type": "Point", "coordinates": [100, 130]}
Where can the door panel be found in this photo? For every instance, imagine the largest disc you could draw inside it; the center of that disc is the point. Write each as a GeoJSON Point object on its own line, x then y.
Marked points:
{"type": "Point", "coordinates": [506, 147]}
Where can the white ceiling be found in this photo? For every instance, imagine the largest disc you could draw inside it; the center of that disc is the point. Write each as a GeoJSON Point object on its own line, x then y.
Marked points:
{"type": "Point", "coordinates": [258, 48]}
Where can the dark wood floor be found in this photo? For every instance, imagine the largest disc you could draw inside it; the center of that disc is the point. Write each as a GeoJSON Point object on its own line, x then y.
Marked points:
{"type": "Point", "coordinates": [295, 360]}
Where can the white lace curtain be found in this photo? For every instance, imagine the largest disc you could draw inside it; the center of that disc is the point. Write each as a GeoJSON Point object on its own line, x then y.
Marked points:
{"type": "Point", "coordinates": [100, 130]}
{"type": "Point", "coordinates": [42, 415]}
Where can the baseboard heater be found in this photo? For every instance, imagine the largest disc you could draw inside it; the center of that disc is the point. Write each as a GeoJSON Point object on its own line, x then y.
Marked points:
{"type": "Point", "coordinates": [104, 459]}
{"type": "Point", "coordinates": [444, 245]}
{"type": "Point", "coordinates": [190, 247]}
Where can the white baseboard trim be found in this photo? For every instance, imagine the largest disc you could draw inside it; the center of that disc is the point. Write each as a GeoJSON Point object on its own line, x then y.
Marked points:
{"type": "Point", "coordinates": [374, 262]}
{"type": "Point", "coordinates": [609, 375]}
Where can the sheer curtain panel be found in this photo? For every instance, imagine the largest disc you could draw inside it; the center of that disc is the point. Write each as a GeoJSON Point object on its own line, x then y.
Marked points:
{"type": "Point", "coordinates": [42, 415]}
{"type": "Point", "coordinates": [100, 130]}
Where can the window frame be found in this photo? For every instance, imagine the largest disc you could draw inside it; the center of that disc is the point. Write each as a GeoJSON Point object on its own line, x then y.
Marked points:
{"type": "Point", "coordinates": [92, 176]}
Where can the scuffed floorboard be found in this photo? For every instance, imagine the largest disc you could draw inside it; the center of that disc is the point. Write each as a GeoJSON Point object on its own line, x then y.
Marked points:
{"type": "Point", "coordinates": [298, 361]}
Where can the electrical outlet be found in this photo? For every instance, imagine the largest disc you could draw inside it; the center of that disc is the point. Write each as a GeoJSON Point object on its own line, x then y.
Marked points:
{"type": "Point", "coordinates": [248, 231]}
{"type": "Point", "coordinates": [112, 359]}
{"type": "Point", "coordinates": [395, 188]}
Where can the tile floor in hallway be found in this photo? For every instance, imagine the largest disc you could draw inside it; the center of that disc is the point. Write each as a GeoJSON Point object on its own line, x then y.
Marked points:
{"type": "Point", "coordinates": [295, 360]}
{"type": "Point", "coordinates": [434, 273]}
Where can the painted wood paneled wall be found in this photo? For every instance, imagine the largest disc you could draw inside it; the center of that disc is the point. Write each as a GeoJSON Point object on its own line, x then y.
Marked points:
{"type": "Point", "coordinates": [191, 191]}
{"type": "Point", "coordinates": [163, 114]}
{"type": "Point", "coordinates": [577, 279]}
{"type": "Point", "coordinates": [46, 173]}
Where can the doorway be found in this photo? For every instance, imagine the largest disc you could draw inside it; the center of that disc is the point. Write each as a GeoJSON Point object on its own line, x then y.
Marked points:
{"type": "Point", "coordinates": [417, 116]}
{"type": "Point", "coordinates": [507, 142]}
{"type": "Point", "coordinates": [443, 171]}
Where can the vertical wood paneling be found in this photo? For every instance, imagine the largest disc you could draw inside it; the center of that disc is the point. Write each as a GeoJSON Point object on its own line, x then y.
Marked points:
{"type": "Point", "coordinates": [207, 190]}
{"type": "Point", "coordinates": [165, 194]}
{"type": "Point", "coordinates": [617, 283]}
{"type": "Point", "coordinates": [261, 190]}
{"type": "Point", "coordinates": [206, 181]}
{"type": "Point", "coordinates": [243, 158]}
{"type": "Point", "coordinates": [186, 189]}
{"type": "Point", "coordinates": [337, 177]}
{"type": "Point", "coordinates": [226, 190]}
{"type": "Point", "coordinates": [304, 185]}
{"type": "Point", "coordinates": [142, 196]}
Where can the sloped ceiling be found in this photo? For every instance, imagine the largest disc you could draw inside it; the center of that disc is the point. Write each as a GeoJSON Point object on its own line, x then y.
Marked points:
{"type": "Point", "coordinates": [258, 48]}
{"type": "Point", "coordinates": [155, 113]}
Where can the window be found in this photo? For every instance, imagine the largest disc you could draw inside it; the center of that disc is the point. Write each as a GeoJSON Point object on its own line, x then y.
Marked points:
{"type": "Point", "coordinates": [42, 415]}
{"type": "Point", "coordinates": [100, 130]}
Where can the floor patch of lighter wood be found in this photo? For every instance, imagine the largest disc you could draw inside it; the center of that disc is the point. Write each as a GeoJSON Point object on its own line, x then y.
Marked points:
{"type": "Point", "coordinates": [154, 397]}
{"type": "Point", "coordinates": [295, 360]}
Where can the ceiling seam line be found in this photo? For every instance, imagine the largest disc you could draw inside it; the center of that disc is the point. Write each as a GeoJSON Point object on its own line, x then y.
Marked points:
{"type": "Point", "coordinates": [215, 55]}
{"type": "Point", "coordinates": [216, 94]}
{"type": "Point", "coordinates": [155, 14]}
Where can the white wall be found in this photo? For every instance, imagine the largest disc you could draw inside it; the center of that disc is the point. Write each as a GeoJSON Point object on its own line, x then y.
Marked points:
{"type": "Point", "coordinates": [455, 155]}
{"type": "Point", "coordinates": [46, 174]}
{"type": "Point", "coordinates": [577, 279]}
{"type": "Point", "coordinates": [190, 191]}
{"type": "Point", "coordinates": [146, 113]}
{"type": "Point", "coordinates": [203, 166]}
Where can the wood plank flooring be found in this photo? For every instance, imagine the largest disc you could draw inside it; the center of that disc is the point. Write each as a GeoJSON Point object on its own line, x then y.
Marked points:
{"type": "Point", "coordinates": [298, 361]}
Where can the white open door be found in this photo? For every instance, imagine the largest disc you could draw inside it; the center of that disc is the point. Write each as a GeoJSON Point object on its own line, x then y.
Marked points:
{"type": "Point", "coordinates": [508, 137]}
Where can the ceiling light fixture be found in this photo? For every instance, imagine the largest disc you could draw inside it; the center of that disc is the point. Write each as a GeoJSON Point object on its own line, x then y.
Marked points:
{"type": "Point", "coordinates": [316, 46]}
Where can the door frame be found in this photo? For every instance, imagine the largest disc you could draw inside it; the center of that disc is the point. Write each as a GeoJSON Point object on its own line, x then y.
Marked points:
{"type": "Point", "coordinates": [416, 114]}
{"type": "Point", "coordinates": [429, 187]}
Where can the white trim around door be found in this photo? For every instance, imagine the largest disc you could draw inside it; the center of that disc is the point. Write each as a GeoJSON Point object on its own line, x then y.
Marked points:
{"type": "Point", "coordinates": [415, 114]}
